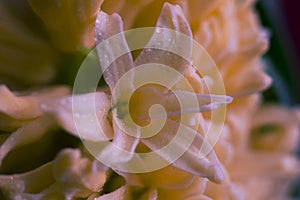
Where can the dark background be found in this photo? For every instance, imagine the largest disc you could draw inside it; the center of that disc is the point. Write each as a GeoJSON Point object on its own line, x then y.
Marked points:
{"type": "Point", "coordinates": [282, 19]}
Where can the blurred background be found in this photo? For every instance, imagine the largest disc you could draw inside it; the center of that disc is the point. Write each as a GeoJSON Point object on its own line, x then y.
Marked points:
{"type": "Point", "coordinates": [282, 19]}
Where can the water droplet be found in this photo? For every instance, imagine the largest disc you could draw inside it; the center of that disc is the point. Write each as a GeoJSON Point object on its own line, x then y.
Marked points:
{"type": "Point", "coordinates": [76, 115]}
{"type": "Point", "coordinates": [44, 106]}
{"type": "Point", "coordinates": [19, 186]}
{"type": "Point", "coordinates": [66, 101]}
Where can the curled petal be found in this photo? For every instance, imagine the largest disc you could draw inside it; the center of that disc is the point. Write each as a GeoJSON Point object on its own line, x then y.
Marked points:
{"type": "Point", "coordinates": [69, 167]}
{"type": "Point", "coordinates": [121, 149]}
{"type": "Point", "coordinates": [27, 106]}
{"type": "Point", "coordinates": [226, 190]}
{"type": "Point", "coordinates": [20, 115]}
{"type": "Point", "coordinates": [248, 81]}
{"type": "Point", "coordinates": [25, 135]}
{"type": "Point", "coordinates": [184, 143]}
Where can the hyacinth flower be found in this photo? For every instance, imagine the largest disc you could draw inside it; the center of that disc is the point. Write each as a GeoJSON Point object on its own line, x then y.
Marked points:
{"type": "Point", "coordinates": [231, 34]}
{"type": "Point", "coordinates": [109, 25]}
{"type": "Point", "coordinates": [229, 31]}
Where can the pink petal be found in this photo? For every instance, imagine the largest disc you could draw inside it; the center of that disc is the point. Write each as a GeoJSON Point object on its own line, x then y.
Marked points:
{"type": "Point", "coordinates": [171, 41]}
{"type": "Point", "coordinates": [183, 143]}
{"type": "Point", "coordinates": [114, 54]}
{"type": "Point", "coordinates": [248, 81]}
{"type": "Point", "coordinates": [27, 107]}
{"type": "Point", "coordinates": [26, 135]}
{"type": "Point", "coordinates": [121, 150]}
{"type": "Point", "coordinates": [85, 116]}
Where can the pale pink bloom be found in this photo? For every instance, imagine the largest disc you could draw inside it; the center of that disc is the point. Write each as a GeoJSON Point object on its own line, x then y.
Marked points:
{"type": "Point", "coordinates": [255, 148]}
{"type": "Point", "coordinates": [106, 26]}
{"type": "Point", "coordinates": [227, 29]}
{"type": "Point", "coordinates": [230, 32]}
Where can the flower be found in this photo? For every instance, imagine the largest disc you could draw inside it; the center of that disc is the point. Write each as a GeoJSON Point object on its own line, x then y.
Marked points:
{"type": "Point", "coordinates": [106, 26]}
{"type": "Point", "coordinates": [227, 29]}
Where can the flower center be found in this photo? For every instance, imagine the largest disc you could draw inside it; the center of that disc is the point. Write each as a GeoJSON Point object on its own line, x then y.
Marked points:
{"type": "Point", "coordinates": [145, 97]}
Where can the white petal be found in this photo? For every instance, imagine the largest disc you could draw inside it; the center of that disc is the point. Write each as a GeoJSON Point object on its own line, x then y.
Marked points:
{"type": "Point", "coordinates": [181, 146]}
{"type": "Point", "coordinates": [85, 116]}
{"type": "Point", "coordinates": [114, 54]}
{"type": "Point", "coordinates": [171, 43]}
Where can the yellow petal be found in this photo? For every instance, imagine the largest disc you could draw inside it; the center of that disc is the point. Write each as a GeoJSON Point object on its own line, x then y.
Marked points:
{"type": "Point", "coordinates": [70, 23]}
